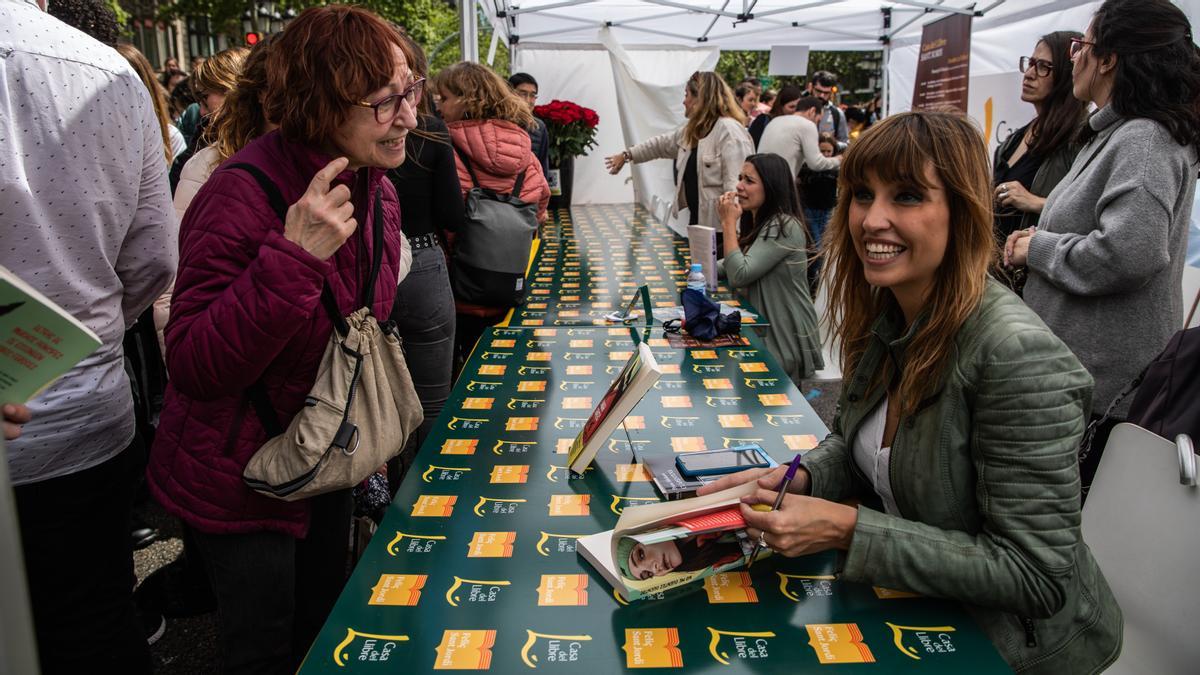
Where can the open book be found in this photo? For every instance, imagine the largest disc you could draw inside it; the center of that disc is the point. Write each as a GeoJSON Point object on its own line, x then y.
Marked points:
{"type": "Point", "coordinates": [640, 373]}
{"type": "Point", "coordinates": [658, 547]}
{"type": "Point", "coordinates": [39, 341]}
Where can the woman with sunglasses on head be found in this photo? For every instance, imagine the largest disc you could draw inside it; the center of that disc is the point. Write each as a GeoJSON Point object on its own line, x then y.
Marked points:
{"type": "Point", "coordinates": [708, 149]}
{"type": "Point", "coordinates": [1105, 263]}
{"type": "Point", "coordinates": [487, 123]}
{"type": "Point", "coordinates": [431, 205]}
{"type": "Point", "coordinates": [768, 262]}
{"type": "Point", "coordinates": [959, 418]}
{"type": "Point", "coordinates": [1035, 157]}
{"type": "Point", "coordinates": [247, 312]}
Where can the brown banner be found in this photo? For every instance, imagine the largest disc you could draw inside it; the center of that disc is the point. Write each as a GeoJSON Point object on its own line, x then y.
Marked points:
{"type": "Point", "coordinates": [944, 67]}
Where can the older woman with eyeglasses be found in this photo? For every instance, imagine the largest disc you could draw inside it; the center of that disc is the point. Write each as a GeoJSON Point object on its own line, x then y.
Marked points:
{"type": "Point", "coordinates": [247, 313]}
{"type": "Point", "coordinates": [1035, 157]}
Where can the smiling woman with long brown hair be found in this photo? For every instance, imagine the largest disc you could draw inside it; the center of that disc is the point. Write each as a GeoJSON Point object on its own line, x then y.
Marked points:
{"type": "Point", "coordinates": [959, 417]}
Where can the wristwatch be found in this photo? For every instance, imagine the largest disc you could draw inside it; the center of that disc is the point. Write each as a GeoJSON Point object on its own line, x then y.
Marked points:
{"type": "Point", "coordinates": [627, 156]}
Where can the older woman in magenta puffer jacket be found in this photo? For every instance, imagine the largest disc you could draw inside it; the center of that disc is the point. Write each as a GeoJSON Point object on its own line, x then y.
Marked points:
{"type": "Point", "coordinates": [487, 123]}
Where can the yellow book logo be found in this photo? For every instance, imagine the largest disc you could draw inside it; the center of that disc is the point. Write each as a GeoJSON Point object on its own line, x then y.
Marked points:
{"type": "Point", "coordinates": [717, 383]}
{"type": "Point", "coordinates": [753, 367]}
{"type": "Point", "coordinates": [491, 545]}
{"type": "Point", "coordinates": [632, 473]}
{"type": "Point", "coordinates": [738, 421]}
{"type": "Point", "coordinates": [459, 446]}
{"type": "Point", "coordinates": [521, 424]}
{"type": "Point", "coordinates": [800, 442]}
{"type": "Point", "coordinates": [774, 399]}
{"type": "Point", "coordinates": [434, 506]}
{"type": "Point", "coordinates": [569, 505]}
{"type": "Point", "coordinates": [465, 650]}
{"type": "Point", "coordinates": [699, 354]}
{"type": "Point", "coordinates": [722, 657]}
{"type": "Point", "coordinates": [531, 385]}
{"type": "Point", "coordinates": [652, 648]}
{"type": "Point", "coordinates": [676, 401]}
{"type": "Point", "coordinates": [341, 657]}
{"type": "Point", "coordinates": [838, 643]}
{"type": "Point", "coordinates": [398, 590]}
{"type": "Point", "coordinates": [563, 590]}
{"type": "Point", "coordinates": [577, 403]}
{"type": "Point", "coordinates": [730, 588]}
{"type": "Point", "coordinates": [453, 599]}
{"type": "Point", "coordinates": [510, 473]}
{"type": "Point", "coordinates": [492, 369]}
{"type": "Point", "coordinates": [568, 653]}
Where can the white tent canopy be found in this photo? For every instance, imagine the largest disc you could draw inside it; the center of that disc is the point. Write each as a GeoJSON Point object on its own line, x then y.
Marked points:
{"type": "Point", "coordinates": [629, 59]}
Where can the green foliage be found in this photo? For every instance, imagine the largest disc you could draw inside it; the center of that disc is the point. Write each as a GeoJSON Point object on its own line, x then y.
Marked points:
{"type": "Point", "coordinates": [736, 66]}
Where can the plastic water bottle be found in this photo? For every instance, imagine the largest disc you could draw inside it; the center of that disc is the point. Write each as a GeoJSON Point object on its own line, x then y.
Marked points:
{"type": "Point", "coordinates": [695, 279]}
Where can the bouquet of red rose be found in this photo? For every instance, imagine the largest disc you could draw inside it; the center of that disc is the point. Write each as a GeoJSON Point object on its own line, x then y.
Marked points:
{"type": "Point", "coordinates": [572, 128]}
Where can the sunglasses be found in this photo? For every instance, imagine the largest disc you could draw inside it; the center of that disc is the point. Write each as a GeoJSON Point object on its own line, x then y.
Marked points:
{"type": "Point", "coordinates": [1077, 46]}
{"type": "Point", "coordinates": [388, 108]}
{"type": "Point", "coordinates": [1042, 68]}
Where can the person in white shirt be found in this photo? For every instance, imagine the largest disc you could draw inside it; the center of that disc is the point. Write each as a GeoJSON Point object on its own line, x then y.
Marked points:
{"type": "Point", "coordinates": [794, 137]}
{"type": "Point", "coordinates": [86, 219]}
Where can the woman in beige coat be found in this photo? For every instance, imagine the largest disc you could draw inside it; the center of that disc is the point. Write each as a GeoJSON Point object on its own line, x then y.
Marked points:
{"type": "Point", "coordinates": [709, 149]}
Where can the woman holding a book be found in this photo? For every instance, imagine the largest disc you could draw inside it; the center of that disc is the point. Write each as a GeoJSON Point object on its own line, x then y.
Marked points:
{"type": "Point", "coordinates": [960, 416]}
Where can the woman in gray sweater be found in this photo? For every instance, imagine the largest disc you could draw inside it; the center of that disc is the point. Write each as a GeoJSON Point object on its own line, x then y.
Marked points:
{"type": "Point", "coordinates": [768, 262]}
{"type": "Point", "coordinates": [1106, 261]}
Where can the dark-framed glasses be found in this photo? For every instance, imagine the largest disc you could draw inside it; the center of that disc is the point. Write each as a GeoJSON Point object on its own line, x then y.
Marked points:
{"type": "Point", "coordinates": [1077, 46]}
{"type": "Point", "coordinates": [388, 108]}
{"type": "Point", "coordinates": [1041, 67]}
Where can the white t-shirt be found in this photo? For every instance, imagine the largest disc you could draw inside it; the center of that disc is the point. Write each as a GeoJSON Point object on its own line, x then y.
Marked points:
{"type": "Point", "coordinates": [875, 460]}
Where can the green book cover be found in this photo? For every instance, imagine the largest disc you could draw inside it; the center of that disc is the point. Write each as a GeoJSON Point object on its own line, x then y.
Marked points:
{"type": "Point", "coordinates": [39, 341]}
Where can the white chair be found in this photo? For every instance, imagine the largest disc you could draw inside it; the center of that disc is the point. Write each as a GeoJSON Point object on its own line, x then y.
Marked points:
{"type": "Point", "coordinates": [1191, 296]}
{"type": "Point", "coordinates": [1142, 522]}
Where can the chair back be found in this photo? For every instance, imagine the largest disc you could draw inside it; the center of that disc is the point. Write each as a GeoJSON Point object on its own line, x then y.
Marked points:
{"type": "Point", "coordinates": [1143, 527]}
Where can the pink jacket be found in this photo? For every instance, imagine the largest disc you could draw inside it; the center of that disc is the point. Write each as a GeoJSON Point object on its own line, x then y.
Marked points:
{"type": "Point", "coordinates": [498, 151]}
{"type": "Point", "coordinates": [246, 307]}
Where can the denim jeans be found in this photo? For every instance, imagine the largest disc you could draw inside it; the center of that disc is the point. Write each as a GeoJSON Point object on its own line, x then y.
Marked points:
{"type": "Point", "coordinates": [274, 591]}
{"type": "Point", "coordinates": [79, 564]}
{"type": "Point", "coordinates": [818, 220]}
{"type": "Point", "coordinates": [424, 314]}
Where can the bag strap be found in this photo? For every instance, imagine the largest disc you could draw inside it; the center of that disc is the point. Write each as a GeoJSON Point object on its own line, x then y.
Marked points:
{"type": "Point", "coordinates": [376, 252]}
{"type": "Point", "coordinates": [466, 163]}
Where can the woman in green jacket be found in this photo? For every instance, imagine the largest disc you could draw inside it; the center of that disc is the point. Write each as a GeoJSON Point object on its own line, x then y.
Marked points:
{"type": "Point", "coordinates": [768, 261]}
{"type": "Point", "coordinates": [960, 414]}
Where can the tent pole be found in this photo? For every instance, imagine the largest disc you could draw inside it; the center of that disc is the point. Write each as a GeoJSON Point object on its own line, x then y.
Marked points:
{"type": "Point", "coordinates": [887, 79]}
{"type": "Point", "coordinates": [469, 34]}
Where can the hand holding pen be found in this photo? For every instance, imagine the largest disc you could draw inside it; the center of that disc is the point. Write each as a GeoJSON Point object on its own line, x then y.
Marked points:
{"type": "Point", "coordinates": [782, 489]}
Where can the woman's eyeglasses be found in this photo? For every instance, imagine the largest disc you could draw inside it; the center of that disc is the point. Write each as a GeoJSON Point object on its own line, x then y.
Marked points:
{"type": "Point", "coordinates": [387, 109]}
{"type": "Point", "coordinates": [1042, 68]}
{"type": "Point", "coordinates": [1077, 46]}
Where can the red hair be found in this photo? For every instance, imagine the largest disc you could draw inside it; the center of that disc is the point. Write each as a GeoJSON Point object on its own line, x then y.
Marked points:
{"type": "Point", "coordinates": [327, 60]}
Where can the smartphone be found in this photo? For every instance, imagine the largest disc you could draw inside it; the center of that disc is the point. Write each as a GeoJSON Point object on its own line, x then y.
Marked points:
{"type": "Point", "coordinates": [715, 462]}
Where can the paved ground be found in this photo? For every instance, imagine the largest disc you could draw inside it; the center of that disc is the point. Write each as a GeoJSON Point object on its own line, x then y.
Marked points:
{"type": "Point", "coordinates": [189, 647]}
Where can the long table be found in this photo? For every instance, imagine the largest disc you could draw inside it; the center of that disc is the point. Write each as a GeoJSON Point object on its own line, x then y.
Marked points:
{"type": "Point", "coordinates": [474, 566]}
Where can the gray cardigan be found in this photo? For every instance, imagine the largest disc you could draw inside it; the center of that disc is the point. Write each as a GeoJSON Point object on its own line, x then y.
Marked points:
{"type": "Point", "coordinates": [1106, 263]}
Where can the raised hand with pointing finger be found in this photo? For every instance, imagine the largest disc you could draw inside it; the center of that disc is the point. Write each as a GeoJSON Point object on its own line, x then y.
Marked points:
{"type": "Point", "coordinates": [323, 219]}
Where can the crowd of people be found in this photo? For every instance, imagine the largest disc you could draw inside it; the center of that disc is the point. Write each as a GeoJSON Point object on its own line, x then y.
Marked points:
{"type": "Point", "coordinates": [988, 310]}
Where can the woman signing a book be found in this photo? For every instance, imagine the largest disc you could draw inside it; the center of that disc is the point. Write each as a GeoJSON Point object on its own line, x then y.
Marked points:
{"type": "Point", "coordinates": [960, 416]}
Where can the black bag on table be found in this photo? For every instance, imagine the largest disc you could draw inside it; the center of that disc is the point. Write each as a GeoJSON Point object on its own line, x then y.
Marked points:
{"type": "Point", "coordinates": [491, 250]}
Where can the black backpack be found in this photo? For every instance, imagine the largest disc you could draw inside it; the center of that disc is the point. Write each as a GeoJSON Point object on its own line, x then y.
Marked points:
{"type": "Point", "coordinates": [491, 250]}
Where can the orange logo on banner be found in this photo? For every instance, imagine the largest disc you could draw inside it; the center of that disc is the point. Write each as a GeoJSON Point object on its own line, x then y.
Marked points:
{"type": "Point", "coordinates": [510, 473]}
{"type": "Point", "coordinates": [491, 545]}
{"type": "Point", "coordinates": [563, 590]}
{"type": "Point", "coordinates": [434, 506]}
{"type": "Point", "coordinates": [538, 356]}
{"type": "Point", "coordinates": [632, 473]}
{"type": "Point", "coordinates": [619, 356]}
{"type": "Point", "coordinates": [677, 401]}
{"type": "Point", "coordinates": [569, 505]}
{"type": "Point", "coordinates": [341, 656]}
{"type": "Point", "coordinates": [581, 344]}
{"type": "Point", "coordinates": [459, 446]}
{"type": "Point", "coordinates": [838, 643]}
{"type": "Point", "coordinates": [521, 424]}
{"type": "Point", "coordinates": [699, 354]}
{"type": "Point", "coordinates": [735, 421]}
{"type": "Point", "coordinates": [579, 370]}
{"type": "Point", "coordinates": [492, 369]}
{"type": "Point", "coordinates": [531, 385]}
{"type": "Point", "coordinates": [652, 648]}
{"type": "Point", "coordinates": [635, 422]}
{"type": "Point", "coordinates": [504, 343]}
{"type": "Point", "coordinates": [465, 650]}
{"type": "Point", "coordinates": [533, 322]}
{"type": "Point", "coordinates": [472, 403]}
{"type": "Point", "coordinates": [398, 589]}
{"type": "Point", "coordinates": [563, 446]}
{"type": "Point", "coordinates": [688, 444]}
{"type": "Point", "coordinates": [669, 368]}
{"type": "Point", "coordinates": [545, 332]}
{"type": "Point", "coordinates": [800, 442]}
{"type": "Point", "coordinates": [717, 383]}
{"type": "Point", "coordinates": [577, 403]}
{"type": "Point", "coordinates": [774, 399]}
{"type": "Point", "coordinates": [754, 367]}
{"type": "Point", "coordinates": [939, 643]}
{"type": "Point", "coordinates": [730, 587]}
